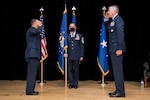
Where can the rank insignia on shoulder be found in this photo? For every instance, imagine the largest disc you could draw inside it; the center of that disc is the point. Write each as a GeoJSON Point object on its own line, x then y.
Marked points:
{"type": "Point", "coordinates": [82, 40]}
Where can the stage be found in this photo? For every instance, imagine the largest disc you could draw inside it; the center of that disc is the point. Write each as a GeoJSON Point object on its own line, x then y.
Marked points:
{"type": "Point", "coordinates": [56, 90]}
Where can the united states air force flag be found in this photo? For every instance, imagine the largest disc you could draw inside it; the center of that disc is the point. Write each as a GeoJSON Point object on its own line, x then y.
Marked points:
{"type": "Point", "coordinates": [102, 57]}
{"type": "Point", "coordinates": [62, 42]}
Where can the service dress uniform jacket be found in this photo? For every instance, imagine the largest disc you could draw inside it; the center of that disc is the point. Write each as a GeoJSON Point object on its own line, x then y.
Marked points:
{"type": "Point", "coordinates": [33, 43]}
{"type": "Point", "coordinates": [75, 46]}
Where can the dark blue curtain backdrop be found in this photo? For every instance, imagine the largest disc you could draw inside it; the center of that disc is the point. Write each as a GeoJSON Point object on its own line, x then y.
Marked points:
{"type": "Point", "coordinates": [16, 16]}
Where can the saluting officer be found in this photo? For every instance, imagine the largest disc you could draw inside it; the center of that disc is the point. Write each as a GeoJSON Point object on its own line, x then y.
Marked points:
{"type": "Point", "coordinates": [117, 48]}
{"type": "Point", "coordinates": [75, 54]}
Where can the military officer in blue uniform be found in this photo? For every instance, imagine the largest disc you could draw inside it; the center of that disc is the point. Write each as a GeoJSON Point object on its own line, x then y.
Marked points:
{"type": "Point", "coordinates": [117, 47]}
{"type": "Point", "coordinates": [33, 55]}
{"type": "Point", "coordinates": [75, 54]}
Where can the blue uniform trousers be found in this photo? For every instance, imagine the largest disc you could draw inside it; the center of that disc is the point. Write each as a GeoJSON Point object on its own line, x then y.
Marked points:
{"type": "Point", "coordinates": [118, 73]}
{"type": "Point", "coordinates": [73, 72]}
{"type": "Point", "coordinates": [32, 69]}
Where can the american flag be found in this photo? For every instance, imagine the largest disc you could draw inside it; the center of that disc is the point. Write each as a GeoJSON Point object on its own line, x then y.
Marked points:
{"type": "Point", "coordinates": [44, 53]}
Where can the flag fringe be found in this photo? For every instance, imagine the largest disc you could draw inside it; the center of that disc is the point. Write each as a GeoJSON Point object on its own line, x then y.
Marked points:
{"type": "Point", "coordinates": [60, 68]}
{"type": "Point", "coordinates": [100, 67]}
{"type": "Point", "coordinates": [43, 58]}
{"type": "Point", "coordinates": [65, 48]}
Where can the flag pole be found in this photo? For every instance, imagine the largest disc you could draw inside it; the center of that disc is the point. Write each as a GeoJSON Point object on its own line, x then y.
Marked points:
{"type": "Point", "coordinates": [103, 82]}
{"type": "Point", "coordinates": [41, 80]}
{"type": "Point", "coordinates": [103, 77]}
{"type": "Point", "coordinates": [42, 69]}
{"type": "Point", "coordinates": [66, 69]}
{"type": "Point", "coordinates": [73, 9]}
{"type": "Point", "coordinates": [73, 14]}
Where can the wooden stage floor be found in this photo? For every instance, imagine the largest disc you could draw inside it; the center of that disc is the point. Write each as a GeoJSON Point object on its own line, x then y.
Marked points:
{"type": "Point", "coordinates": [56, 90]}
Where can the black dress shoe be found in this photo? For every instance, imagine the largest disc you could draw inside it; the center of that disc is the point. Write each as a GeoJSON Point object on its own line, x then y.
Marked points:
{"type": "Point", "coordinates": [117, 95]}
{"type": "Point", "coordinates": [32, 93]}
{"type": "Point", "coordinates": [75, 87]}
{"type": "Point", "coordinates": [111, 93]}
{"type": "Point", "coordinates": [71, 87]}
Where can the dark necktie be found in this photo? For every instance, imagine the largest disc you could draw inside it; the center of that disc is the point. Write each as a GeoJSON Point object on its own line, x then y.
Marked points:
{"type": "Point", "coordinates": [72, 35]}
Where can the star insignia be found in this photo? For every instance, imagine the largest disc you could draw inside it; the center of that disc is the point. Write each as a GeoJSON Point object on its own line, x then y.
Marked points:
{"type": "Point", "coordinates": [104, 43]}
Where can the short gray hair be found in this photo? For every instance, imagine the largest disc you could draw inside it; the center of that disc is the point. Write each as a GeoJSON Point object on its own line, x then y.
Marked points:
{"type": "Point", "coordinates": [115, 7]}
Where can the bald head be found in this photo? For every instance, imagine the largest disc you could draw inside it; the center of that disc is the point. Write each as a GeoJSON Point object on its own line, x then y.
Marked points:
{"type": "Point", "coordinates": [36, 23]}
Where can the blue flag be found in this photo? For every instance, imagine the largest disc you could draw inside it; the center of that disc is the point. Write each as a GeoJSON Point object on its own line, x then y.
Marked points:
{"type": "Point", "coordinates": [62, 41]}
{"type": "Point", "coordinates": [73, 17]}
{"type": "Point", "coordinates": [102, 51]}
